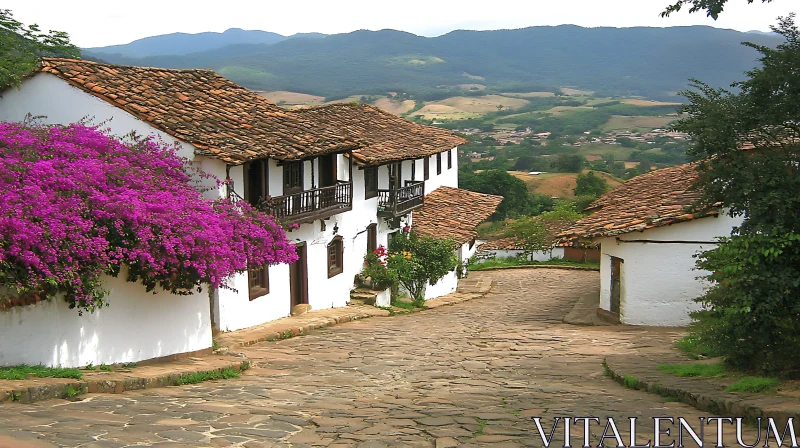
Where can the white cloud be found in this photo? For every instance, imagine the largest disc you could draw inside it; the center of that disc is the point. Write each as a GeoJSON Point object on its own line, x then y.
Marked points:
{"type": "Point", "coordinates": [117, 22]}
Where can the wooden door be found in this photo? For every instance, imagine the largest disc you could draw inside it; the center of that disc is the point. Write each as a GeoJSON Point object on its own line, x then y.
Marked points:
{"type": "Point", "coordinates": [616, 283]}
{"type": "Point", "coordinates": [372, 238]}
{"type": "Point", "coordinates": [298, 276]}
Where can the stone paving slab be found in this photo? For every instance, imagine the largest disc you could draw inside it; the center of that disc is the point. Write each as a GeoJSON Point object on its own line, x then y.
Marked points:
{"type": "Point", "coordinates": [117, 382]}
{"type": "Point", "coordinates": [585, 310]}
{"type": "Point", "coordinates": [707, 394]}
{"type": "Point", "coordinates": [292, 326]}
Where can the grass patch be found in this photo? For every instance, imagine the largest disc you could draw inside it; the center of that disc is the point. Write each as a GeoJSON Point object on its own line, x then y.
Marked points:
{"type": "Point", "coordinates": [507, 262]}
{"type": "Point", "coordinates": [72, 392]}
{"type": "Point", "coordinates": [199, 377]}
{"type": "Point", "coordinates": [692, 347]}
{"type": "Point", "coordinates": [106, 368]}
{"type": "Point", "coordinates": [693, 370]}
{"type": "Point", "coordinates": [754, 384]}
{"type": "Point", "coordinates": [630, 382]}
{"type": "Point", "coordinates": [404, 305]}
{"type": "Point", "coordinates": [22, 371]}
{"type": "Point", "coordinates": [481, 425]}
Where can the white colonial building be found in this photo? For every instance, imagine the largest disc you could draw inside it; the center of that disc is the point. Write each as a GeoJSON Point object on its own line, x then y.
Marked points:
{"type": "Point", "coordinates": [648, 239]}
{"type": "Point", "coordinates": [345, 176]}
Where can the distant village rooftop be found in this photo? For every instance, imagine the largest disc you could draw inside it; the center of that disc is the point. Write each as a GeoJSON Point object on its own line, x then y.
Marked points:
{"type": "Point", "coordinates": [654, 199]}
{"type": "Point", "coordinates": [222, 119]}
{"type": "Point", "coordinates": [453, 213]}
{"type": "Point", "coordinates": [387, 137]}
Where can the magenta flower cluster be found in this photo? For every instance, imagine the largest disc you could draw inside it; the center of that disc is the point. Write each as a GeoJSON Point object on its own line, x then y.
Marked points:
{"type": "Point", "coordinates": [77, 203]}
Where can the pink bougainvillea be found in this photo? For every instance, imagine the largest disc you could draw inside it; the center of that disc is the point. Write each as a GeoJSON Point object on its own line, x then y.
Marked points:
{"type": "Point", "coordinates": [76, 203]}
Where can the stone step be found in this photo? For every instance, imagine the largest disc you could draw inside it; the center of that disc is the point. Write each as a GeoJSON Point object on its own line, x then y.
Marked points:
{"type": "Point", "coordinates": [363, 297]}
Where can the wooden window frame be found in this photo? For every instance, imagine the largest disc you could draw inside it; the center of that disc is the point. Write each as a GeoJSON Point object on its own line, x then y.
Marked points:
{"type": "Point", "coordinates": [426, 167]}
{"type": "Point", "coordinates": [262, 287]}
{"type": "Point", "coordinates": [372, 238]}
{"type": "Point", "coordinates": [287, 168]}
{"type": "Point", "coordinates": [438, 163]}
{"type": "Point", "coordinates": [336, 243]}
{"type": "Point", "coordinates": [369, 192]}
{"type": "Point", "coordinates": [450, 159]}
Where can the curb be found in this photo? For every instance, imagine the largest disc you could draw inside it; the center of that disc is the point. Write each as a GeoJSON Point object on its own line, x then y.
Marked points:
{"type": "Point", "coordinates": [296, 331]}
{"type": "Point", "coordinates": [539, 266]}
{"type": "Point", "coordinates": [72, 389]}
{"type": "Point", "coordinates": [728, 404]}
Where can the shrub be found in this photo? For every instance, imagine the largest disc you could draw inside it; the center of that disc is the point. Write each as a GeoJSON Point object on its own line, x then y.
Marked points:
{"type": "Point", "coordinates": [751, 314]}
{"type": "Point", "coordinates": [375, 268]}
{"type": "Point", "coordinates": [418, 261]}
{"type": "Point", "coordinates": [76, 203]}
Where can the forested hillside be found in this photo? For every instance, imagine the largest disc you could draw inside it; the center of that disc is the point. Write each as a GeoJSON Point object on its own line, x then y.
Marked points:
{"type": "Point", "coordinates": [650, 62]}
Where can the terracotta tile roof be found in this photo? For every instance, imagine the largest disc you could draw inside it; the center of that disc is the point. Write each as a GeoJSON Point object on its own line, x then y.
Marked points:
{"type": "Point", "coordinates": [555, 228]}
{"type": "Point", "coordinates": [453, 213]}
{"type": "Point", "coordinates": [387, 137]}
{"type": "Point", "coordinates": [654, 199]}
{"type": "Point", "coordinates": [222, 119]}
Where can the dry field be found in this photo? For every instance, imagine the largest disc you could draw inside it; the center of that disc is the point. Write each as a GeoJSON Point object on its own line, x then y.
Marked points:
{"type": "Point", "coordinates": [292, 98]}
{"type": "Point", "coordinates": [529, 94]}
{"type": "Point", "coordinates": [462, 107]}
{"type": "Point", "coordinates": [558, 184]}
{"type": "Point", "coordinates": [576, 92]}
{"type": "Point", "coordinates": [619, 122]}
{"type": "Point", "coordinates": [647, 103]}
{"type": "Point", "coordinates": [394, 107]}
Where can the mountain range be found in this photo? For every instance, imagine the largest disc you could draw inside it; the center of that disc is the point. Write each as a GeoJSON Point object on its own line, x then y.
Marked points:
{"type": "Point", "coordinates": [651, 62]}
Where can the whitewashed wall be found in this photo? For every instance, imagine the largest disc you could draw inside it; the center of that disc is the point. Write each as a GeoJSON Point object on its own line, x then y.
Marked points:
{"type": "Point", "coordinates": [137, 325]}
{"type": "Point", "coordinates": [659, 281]}
{"type": "Point", "coordinates": [449, 283]}
{"type": "Point", "coordinates": [448, 178]}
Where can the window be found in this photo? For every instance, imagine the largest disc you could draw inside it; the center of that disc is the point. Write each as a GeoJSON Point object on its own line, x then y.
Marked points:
{"type": "Point", "coordinates": [413, 170]}
{"type": "Point", "coordinates": [292, 177]}
{"type": "Point", "coordinates": [259, 282]}
{"type": "Point", "coordinates": [335, 257]}
{"type": "Point", "coordinates": [372, 238]}
{"type": "Point", "coordinates": [328, 170]}
{"type": "Point", "coordinates": [370, 182]}
{"type": "Point", "coordinates": [427, 168]}
{"type": "Point", "coordinates": [450, 159]}
{"type": "Point", "coordinates": [255, 181]}
{"type": "Point", "coordinates": [438, 163]}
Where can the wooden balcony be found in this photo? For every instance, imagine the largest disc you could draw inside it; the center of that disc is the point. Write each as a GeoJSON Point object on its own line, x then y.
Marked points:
{"type": "Point", "coordinates": [310, 205]}
{"type": "Point", "coordinates": [398, 202]}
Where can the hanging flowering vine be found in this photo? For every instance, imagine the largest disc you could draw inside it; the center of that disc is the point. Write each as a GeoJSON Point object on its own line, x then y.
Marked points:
{"type": "Point", "coordinates": [76, 203]}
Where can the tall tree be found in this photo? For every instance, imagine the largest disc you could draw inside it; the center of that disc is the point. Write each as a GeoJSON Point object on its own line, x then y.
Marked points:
{"type": "Point", "coordinates": [21, 47]}
{"type": "Point", "coordinates": [713, 8]}
{"type": "Point", "coordinates": [747, 144]}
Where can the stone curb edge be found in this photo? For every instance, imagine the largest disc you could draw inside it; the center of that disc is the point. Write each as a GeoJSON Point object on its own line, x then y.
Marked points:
{"type": "Point", "coordinates": [733, 405]}
{"type": "Point", "coordinates": [76, 388]}
{"type": "Point", "coordinates": [540, 266]}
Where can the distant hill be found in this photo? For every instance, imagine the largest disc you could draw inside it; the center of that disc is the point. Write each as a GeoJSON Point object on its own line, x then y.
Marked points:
{"type": "Point", "coordinates": [184, 43]}
{"type": "Point", "coordinates": [650, 62]}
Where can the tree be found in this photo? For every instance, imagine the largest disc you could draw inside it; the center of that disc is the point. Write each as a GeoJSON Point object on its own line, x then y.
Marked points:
{"type": "Point", "coordinates": [713, 8]}
{"type": "Point", "coordinates": [751, 314]}
{"type": "Point", "coordinates": [418, 261]}
{"type": "Point", "coordinates": [590, 185]}
{"type": "Point", "coordinates": [530, 163]}
{"type": "Point", "coordinates": [531, 234]}
{"type": "Point", "coordinates": [569, 163]}
{"type": "Point", "coordinates": [516, 199]}
{"type": "Point", "coordinates": [21, 47]}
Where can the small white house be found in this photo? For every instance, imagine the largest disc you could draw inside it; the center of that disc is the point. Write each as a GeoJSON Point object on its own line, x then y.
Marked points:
{"type": "Point", "coordinates": [453, 213]}
{"type": "Point", "coordinates": [348, 176]}
{"type": "Point", "coordinates": [510, 248]}
{"type": "Point", "coordinates": [647, 241]}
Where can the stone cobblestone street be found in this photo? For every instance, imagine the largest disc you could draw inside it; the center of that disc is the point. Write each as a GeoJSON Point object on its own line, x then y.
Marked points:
{"type": "Point", "coordinates": [470, 375]}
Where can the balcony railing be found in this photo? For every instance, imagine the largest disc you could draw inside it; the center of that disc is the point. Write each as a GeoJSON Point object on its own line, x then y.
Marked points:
{"type": "Point", "coordinates": [399, 201]}
{"type": "Point", "coordinates": [310, 205]}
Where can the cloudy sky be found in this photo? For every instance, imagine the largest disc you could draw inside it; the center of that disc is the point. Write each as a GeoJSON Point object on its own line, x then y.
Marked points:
{"type": "Point", "coordinates": [121, 21]}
